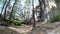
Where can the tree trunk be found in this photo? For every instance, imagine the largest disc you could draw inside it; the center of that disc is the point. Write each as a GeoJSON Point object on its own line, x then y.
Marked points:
{"type": "Point", "coordinates": [33, 16]}
{"type": "Point", "coordinates": [3, 8]}
{"type": "Point", "coordinates": [41, 10]}
{"type": "Point", "coordinates": [6, 8]}
{"type": "Point", "coordinates": [11, 14]}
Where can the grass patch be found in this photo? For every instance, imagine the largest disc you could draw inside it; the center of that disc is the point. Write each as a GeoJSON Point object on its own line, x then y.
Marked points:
{"type": "Point", "coordinates": [17, 22]}
{"type": "Point", "coordinates": [55, 19]}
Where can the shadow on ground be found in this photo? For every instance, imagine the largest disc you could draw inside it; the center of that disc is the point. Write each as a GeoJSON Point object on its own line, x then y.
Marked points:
{"type": "Point", "coordinates": [40, 29]}
{"type": "Point", "coordinates": [5, 30]}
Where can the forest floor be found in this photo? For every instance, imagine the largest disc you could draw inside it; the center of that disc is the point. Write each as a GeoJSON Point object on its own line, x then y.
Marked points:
{"type": "Point", "coordinates": [47, 28]}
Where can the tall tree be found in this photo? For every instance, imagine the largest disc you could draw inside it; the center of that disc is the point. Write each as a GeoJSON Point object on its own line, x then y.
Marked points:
{"type": "Point", "coordinates": [33, 16]}
{"type": "Point", "coordinates": [41, 10]}
{"type": "Point", "coordinates": [45, 9]}
{"type": "Point", "coordinates": [11, 14]}
{"type": "Point", "coordinates": [6, 5]}
{"type": "Point", "coordinates": [3, 7]}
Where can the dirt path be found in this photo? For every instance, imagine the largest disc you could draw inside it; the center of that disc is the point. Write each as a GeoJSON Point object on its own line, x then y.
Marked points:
{"type": "Point", "coordinates": [15, 30]}
{"type": "Point", "coordinates": [48, 28]}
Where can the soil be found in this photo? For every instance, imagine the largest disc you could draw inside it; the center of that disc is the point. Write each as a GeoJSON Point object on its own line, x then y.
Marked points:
{"type": "Point", "coordinates": [46, 28]}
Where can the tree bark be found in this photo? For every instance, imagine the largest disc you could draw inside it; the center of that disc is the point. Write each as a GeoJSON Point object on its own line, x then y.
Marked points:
{"type": "Point", "coordinates": [11, 14]}
{"type": "Point", "coordinates": [6, 8]}
{"type": "Point", "coordinates": [3, 8]}
{"type": "Point", "coordinates": [41, 10]}
{"type": "Point", "coordinates": [33, 16]}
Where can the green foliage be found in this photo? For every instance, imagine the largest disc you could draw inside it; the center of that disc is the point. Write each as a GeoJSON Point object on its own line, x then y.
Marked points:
{"type": "Point", "coordinates": [17, 22]}
{"type": "Point", "coordinates": [55, 19]}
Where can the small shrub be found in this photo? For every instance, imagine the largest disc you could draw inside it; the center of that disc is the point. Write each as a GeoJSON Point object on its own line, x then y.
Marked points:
{"type": "Point", "coordinates": [57, 18]}
{"type": "Point", "coordinates": [15, 22]}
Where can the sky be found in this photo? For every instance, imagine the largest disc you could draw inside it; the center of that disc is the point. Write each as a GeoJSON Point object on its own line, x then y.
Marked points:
{"type": "Point", "coordinates": [0, 5]}
{"type": "Point", "coordinates": [22, 2]}
{"type": "Point", "coordinates": [36, 3]}
{"type": "Point", "coordinates": [2, 2]}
